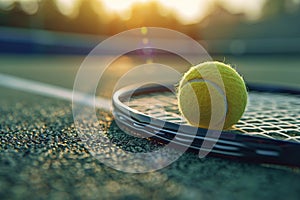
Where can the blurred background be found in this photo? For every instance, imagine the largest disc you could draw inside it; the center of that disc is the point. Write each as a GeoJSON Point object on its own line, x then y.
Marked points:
{"type": "Point", "coordinates": [259, 37]}
{"type": "Point", "coordinates": [224, 26]}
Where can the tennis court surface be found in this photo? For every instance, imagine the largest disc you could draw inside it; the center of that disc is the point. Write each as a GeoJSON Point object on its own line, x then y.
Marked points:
{"type": "Point", "coordinates": [42, 155]}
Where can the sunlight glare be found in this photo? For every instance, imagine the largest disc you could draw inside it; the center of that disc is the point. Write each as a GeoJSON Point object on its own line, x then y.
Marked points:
{"type": "Point", "coordinates": [252, 9]}
{"type": "Point", "coordinates": [67, 7]}
{"type": "Point", "coordinates": [30, 7]}
{"type": "Point", "coordinates": [187, 11]}
{"type": "Point", "coordinates": [119, 5]}
{"type": "Point", "coordinates": [190, 11]}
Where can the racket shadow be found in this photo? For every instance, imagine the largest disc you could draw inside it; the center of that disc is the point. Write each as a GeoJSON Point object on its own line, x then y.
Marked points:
{"type": "Point", "coordinates": [131, 141]}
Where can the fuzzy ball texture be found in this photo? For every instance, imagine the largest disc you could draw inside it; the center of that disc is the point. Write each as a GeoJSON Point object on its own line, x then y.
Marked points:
{"type": "Point", "coordinates": [212, 95]}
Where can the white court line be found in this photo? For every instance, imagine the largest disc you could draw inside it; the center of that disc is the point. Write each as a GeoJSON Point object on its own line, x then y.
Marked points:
{"type": "Point", "coordinates": [45, 89]}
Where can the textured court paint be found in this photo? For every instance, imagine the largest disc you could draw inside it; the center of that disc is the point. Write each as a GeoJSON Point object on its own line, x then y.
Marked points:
{"type": "Point", "coordinates": [196, 99]}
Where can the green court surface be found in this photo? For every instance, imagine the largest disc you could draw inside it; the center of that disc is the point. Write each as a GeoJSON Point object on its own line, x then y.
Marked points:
{"type": "Point", "coordinates": [42, 156]}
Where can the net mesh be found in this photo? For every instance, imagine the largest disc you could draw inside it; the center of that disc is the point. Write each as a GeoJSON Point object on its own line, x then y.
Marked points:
{"type": "Point", "coordinates": [270, 115]}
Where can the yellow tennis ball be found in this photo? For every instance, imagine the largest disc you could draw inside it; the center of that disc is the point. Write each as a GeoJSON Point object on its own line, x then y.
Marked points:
{"type": "Point", "coordinates": [212, 95]}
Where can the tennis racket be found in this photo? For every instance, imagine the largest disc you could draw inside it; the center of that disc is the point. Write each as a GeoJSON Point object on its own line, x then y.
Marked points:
{"type": "Point", "coordinates": [269, 131]}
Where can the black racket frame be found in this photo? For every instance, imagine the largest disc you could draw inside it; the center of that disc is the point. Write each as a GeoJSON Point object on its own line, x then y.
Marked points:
{"type": "Point", "coordinates": [230, 145]}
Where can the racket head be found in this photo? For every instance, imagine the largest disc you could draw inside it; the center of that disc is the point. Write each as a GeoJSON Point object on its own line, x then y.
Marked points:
{"type": "Point", "coordinates": [272, 136]}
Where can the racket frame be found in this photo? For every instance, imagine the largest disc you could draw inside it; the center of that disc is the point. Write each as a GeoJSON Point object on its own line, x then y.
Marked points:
{"type": "Point", "coordinates": [229, 145]}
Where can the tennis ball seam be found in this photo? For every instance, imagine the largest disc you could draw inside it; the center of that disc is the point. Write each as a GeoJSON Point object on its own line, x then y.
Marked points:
{"type": "Point", "coordinates": [217, 87]}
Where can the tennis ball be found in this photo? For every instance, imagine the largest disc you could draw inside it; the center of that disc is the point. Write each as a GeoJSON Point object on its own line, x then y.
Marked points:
{"type": "Point", "coordinates": [212, 95]}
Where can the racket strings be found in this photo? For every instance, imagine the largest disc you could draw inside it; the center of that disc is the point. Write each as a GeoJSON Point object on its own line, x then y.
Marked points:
{"type": "Point", "coordinates": [267, 115]}
{"type": "Point", "coordinates": [158, 105]}
{"type": "Point", "coordinates": [272, 115]}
